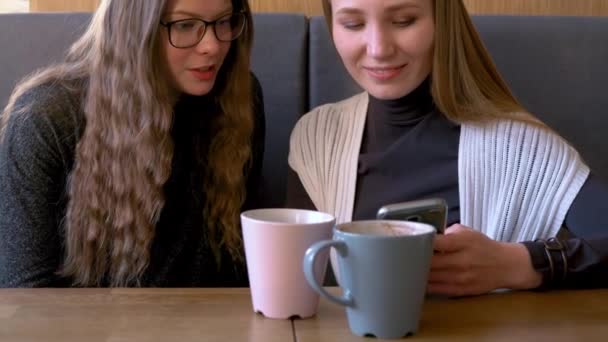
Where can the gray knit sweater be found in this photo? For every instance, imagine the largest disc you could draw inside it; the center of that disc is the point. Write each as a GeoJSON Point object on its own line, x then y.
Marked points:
{"type": "Point", "coordinates": [36, 158]}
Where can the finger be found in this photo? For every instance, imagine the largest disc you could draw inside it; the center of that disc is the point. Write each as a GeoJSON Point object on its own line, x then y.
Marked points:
{"type": "Point", "coordinates": [451, 276]}
{"type": "Point", "coordinates": [446, 261]}
{"type": "Point", "coordinates": [449, 243]}
{"type": "Point", "coordinates": [455, 290]}
{"type": "Point", "coordinates": [455, 228]}
{"type": "Point", "coordinates": [443, 276]}
{"type": "Point", "coordinates": [446, 289]}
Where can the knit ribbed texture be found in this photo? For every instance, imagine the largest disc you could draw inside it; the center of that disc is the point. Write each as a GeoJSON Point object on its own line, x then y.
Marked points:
{"type": "Point", "coordinates": [324, 152]}
{"type": "Point", "coordinates": [516, 181]}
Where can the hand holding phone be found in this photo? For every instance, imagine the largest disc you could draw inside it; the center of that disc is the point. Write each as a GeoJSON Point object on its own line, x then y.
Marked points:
{"type": "Point", "coordinates": [432, 211]}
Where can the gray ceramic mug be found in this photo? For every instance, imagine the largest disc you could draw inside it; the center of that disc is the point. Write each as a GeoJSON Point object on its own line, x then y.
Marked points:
{"type": "Point", "coordinates": [384, 267]}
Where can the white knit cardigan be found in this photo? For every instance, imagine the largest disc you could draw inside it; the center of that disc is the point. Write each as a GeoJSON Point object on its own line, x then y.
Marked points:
{"type": "Point", "coordinates": [516, 181]}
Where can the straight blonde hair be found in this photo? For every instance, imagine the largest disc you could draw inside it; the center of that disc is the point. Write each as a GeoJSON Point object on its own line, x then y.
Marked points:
{"type": "Point", "coordinates": [465, 83]}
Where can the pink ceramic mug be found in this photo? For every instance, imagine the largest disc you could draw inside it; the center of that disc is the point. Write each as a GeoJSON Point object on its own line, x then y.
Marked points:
{"type": "Point", "coordinates": [275, 243]}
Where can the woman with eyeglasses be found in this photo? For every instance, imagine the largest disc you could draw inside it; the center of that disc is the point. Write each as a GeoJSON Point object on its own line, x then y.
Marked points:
{"type": "Point", "coordinates": [128, 163]}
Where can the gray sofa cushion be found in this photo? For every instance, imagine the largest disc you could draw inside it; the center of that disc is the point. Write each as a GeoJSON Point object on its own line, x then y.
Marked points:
{"type": "Point", "coordinates": [329, 80]}
{"type": "Point", "coordinates": [280, 62]}
{"type": "Point", "coordinates": [33, 40]}
{"type": "Point", "coordinates": [556, 66]}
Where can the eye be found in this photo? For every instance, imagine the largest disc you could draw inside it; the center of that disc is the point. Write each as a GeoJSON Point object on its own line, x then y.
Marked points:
{"type": "Point", "coordinates": [186, 25]}
{"type": "Point", "coordinates": [352, 25]}
{"type": "Point", "coordinates": [404, 22]}
{"type": "Point", "coordinates": [225, 21]}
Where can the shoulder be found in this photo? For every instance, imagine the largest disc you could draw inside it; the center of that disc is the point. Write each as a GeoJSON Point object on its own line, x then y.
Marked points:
{"type": "Point", "coordinates": [534, 137]}
{"type": "Point", "coordinates": [331, 114]}
{"type": "Point", "coordinates": [514, 128]}
{"type": "Point", "coordinates": [325, 126]}
{"type": "Point", "coordinates": [342, 107]}
{"type": "Point", "coordinates": [45, 115]}
{"type": "Point", "coordinates": [48, 105]}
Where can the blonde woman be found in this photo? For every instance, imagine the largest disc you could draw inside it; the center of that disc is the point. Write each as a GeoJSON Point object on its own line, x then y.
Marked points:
{"type": "Point", "coordinates": [437, 120]}
{"type": "Point", "coordinates": [128, 163]}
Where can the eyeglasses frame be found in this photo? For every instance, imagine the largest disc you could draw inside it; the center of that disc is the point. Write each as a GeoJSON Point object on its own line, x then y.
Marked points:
{"type": "Point", "coordinates": [207, 24]}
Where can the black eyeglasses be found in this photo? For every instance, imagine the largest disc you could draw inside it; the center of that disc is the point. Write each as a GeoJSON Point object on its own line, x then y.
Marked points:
{"type": "Point", "coordinates": [186, 33]}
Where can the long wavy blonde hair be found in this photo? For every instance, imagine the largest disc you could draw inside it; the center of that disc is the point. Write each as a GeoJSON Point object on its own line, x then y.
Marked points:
{"type": "Point", "coordinates": [124, 156]}
{"type": "Point", "coordinates": [465, 83]}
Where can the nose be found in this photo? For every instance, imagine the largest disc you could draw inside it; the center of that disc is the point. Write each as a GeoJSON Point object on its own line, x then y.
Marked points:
{"type": "Point", "coordinates": [209, 45]}
{"type": "Point", "coordinates": [380, 43]}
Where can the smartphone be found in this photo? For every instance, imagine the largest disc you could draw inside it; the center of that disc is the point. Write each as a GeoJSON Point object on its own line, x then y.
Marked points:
{"type": "Point", "coordinates": [432, 211]}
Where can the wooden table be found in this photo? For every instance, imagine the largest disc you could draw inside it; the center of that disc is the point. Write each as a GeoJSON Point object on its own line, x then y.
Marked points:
{"type": "Point", "coordinates": [131, 315]}
{"type": "Point", "coordinates": [512, 316]}
{"type": "Point", "coordinates": [113, 315]}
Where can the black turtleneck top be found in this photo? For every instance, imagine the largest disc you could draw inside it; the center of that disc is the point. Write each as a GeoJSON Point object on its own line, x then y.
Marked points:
{"type": "Point", "coordinates": [409, 151]}
{"type": "Point", "coordinates": [398, 143]}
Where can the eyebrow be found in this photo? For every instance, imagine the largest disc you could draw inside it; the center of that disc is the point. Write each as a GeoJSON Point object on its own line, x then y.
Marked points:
{"type": "Point", "coordinates": [195, 15]}
{"type": "Point", "coordinates": [392, 8]}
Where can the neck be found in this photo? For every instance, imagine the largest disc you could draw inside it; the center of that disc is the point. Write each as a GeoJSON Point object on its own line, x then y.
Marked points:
{"type": "Point", "coordinates": [405, 110]}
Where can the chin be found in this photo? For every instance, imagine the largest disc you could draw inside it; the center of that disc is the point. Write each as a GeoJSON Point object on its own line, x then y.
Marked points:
{"type": "Point", "coordinates": [387, 94]}
{"type": "Point", "coordinates": [391, 91]}
{"type": "Point", "coordinates": [197, 91]}
{"type": "Point", "coordinates": [196, 88]}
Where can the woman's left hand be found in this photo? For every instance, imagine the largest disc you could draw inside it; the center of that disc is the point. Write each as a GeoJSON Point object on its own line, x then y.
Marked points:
{"type": "Point", "coordinates": [466, 262]}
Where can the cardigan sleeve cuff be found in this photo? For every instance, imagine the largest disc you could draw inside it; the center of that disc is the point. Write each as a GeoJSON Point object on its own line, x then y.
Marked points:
{"type": "Point", "coordinates": [540, 262]}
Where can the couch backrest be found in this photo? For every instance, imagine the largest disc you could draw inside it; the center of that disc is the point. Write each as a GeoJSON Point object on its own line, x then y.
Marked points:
{"type": "Point", "coordinates": [34, 40]}
{"type": "Point", "coordinates": [280, 61]}
{"type": "Point", "coordinates": [556, 66]}
{"type": "Point", "coordinates": [329, 80]}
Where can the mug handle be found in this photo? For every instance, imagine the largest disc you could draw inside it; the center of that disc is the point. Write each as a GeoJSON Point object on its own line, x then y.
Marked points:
{"type": "Point", "coordinates": [308, 265]}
